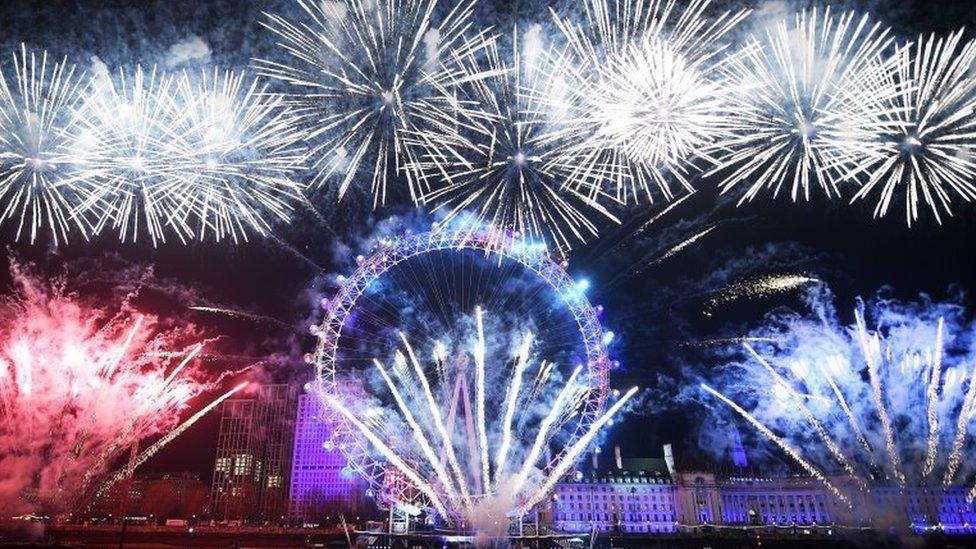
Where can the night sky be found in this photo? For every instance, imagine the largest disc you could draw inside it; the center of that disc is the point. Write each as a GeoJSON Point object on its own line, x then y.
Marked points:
{"type": "Point", "coordinates": [656, 313]}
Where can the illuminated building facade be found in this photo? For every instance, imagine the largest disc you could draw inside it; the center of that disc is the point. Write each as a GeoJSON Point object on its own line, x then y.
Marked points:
{"type": "Point", "coordinates": [253, 463]}
{"type": "Point", "coordinates": [635, 497]}
{"type": "Point", "coordinates": [924, 509]}
{"type": "Point", "coordinates": [322, 483]}
{"type": "Point", "coordinates": [782, 501]}
{"type": "Point", "coordinates": [652, 496]}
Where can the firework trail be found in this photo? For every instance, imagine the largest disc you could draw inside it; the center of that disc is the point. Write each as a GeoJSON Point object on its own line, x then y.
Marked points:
{"type": "Point", "coordinates": [763, 286]}
{"type": "Point", "coordinates": [562, 467]}
{"type": "Point", "coordinates": [149, 452]}
{"type": "Point", "coordinates": [79, 385]}
{"type": "Point", "coordinates": [923, 140]}
{"type": "Point", "coordinates": [882, 394]}
{"type": "Point", "coordinates": [786, 446]}
{"type": "Point", "coordinates": [726, 341]}
{"type": "Point", "coordinates": [437, 416]}
{"type": "Point", "coordinates": [815, 423]}
{"type": "Point", "coordinates": [360, 74]}
{"type": "Point", "coordinates": [38, 188]}
{"type": "Point", "coordinates": [797, 121]}
{"type": "Point", "coordinates": [242, 314]}
{"type": "Point", "coordinates": [690, 241]}
{"type": "Point", "coordinates": [640, 87]}
{"type": "Point", "coordinates": [871, 349]}
{"type": "Point", "coordinates": [486, 149]}
{"type": "Point", "coordinates": [388, 453]}
{"type": "Point", "coordinates": [962, 429]}
{"type": "Point", "coordinates": [431, 455]}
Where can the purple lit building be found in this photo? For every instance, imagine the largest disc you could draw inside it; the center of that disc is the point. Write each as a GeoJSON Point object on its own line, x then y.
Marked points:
{"type": "Point", "coordinates": [630, 496]}
{"type": "Point", "coordinates": [322, 483]}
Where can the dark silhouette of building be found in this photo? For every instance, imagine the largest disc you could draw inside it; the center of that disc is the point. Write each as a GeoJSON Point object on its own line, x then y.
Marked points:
{"type": "Point", "coordinates": [156, 497]}
{"type": "Point", "coordinates": [253, 464]}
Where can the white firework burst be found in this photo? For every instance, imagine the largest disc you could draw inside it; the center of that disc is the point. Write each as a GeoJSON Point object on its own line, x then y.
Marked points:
{"type": "Point", "coordinates": [208, 157]}
{"type": "Point", "coordinates": [358, 72]}
{"type": "Point", "coordinates": [925, 143]}
{"type": "Point", "coordinates": [487, 149]}
{"type": "Point", "coordinates": [802, 88]}
{"type": "Point", "coordinates": [37, 186]}
{"type": "Point", "coordinates": [642, 88]}
{"type": "Point", "coordinates": [129, 147]}
{"type": "Point", "coordinates": [240, 157]}
{"type": "Point", "coordinates": [644, 116]}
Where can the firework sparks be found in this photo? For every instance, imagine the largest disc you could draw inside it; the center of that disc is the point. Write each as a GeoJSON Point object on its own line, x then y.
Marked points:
{"type": "Point", "coordinates": [77, 386]}
{"type": "Point", "coordinates": [486, 149]}
{"type": "Point", "coordinates": [783, 444]}
{"type": "Point", "coordinates": [38, 188]}
{"type": "Point", "coordinates": [641, 91]}
{"type": "Point", "coordinates": [690, 241]}
{"type": "Point", "coordinates": [202, 158]}
{"type": "Point", "coordinates": [360, 73]}
{"type": "Point", "coordinates": [499, 472]}
{"type": "Point", "coordinates": [125, 146]}
{"type": "Point", "coordinates": [562, 467]}
{"type": "Point", "coordinates": [235, 313]}
{"type": "Point", "coordinates": [803, 91]}
{"type": "Point", "coordinates": [880, 381]}
{"type": "Point", "coordinates": [240, 157]}
{"type": "Point", "coordinates": [923, 141]}
{"type": "Point", "coordinates": [149, 452]}
{"type": "Point", "coordinates": [763, 286]}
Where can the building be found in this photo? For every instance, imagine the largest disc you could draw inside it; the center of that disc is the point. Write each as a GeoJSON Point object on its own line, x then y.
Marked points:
{"type": "Point", "coordinates": [920, 509]}
{"type": "Point", "coordinates": [632, 496]}
{"type": "Point", "coordinates": [322, 483]}
{"type": "Point", "coordinates": [708, 498]}
{"type": "Point", "coordinates": [253, 462]}
{"type": "Point", "coordinates": [653, 496]}
{"type": "Point", "coordinates": [173, 495]}
{"type": "Point", "coordinates": [156, 497]}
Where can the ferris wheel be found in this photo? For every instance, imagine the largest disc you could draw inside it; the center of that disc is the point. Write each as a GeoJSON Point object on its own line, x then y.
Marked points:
{"type": "Point", "coordinates": [467, 362]}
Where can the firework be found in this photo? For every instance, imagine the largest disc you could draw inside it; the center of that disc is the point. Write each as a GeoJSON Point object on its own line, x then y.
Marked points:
{"type": "Point", "coordinates": [129, 146]}
{"type": "Point", "coordinates": [762, 286]}
{"type": "Point", "coordinates": [245, 315]}
{"type": "Point", "coordinates": [240, 157]}
{"type": "Point", "coordinates": [479, 473]}
{"type": "Point", "coordinates": [797, 120]}
{"type": "Point", "coordinates": [149, 452]}
{"type": "Point", "coordinates": [871, 405]}
{"type": "Point", "coordinates": [690, 241]}
{"type": "Point", "coordinates": [359, 74]}
{"type": "Point", "coordinates": [923, 144]}
{"type": "Point", "coordinates": [38, 188]}
{"type": "Point", "coordinates": [208, 157]}
{"type": "Point", "coordinates": [641, 92]}
{"type": "Point", "coordinates": [485, 149]}
{"type": "Point", "coordinates": [78, 386]}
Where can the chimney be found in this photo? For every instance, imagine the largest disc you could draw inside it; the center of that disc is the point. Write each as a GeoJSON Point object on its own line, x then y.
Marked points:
{"type": "Point", "coordinates": [738, 452]}
{"type": "Point", "coordinates": [669, 458]}
{"type": "Point", "coordinates": [616, 457]}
